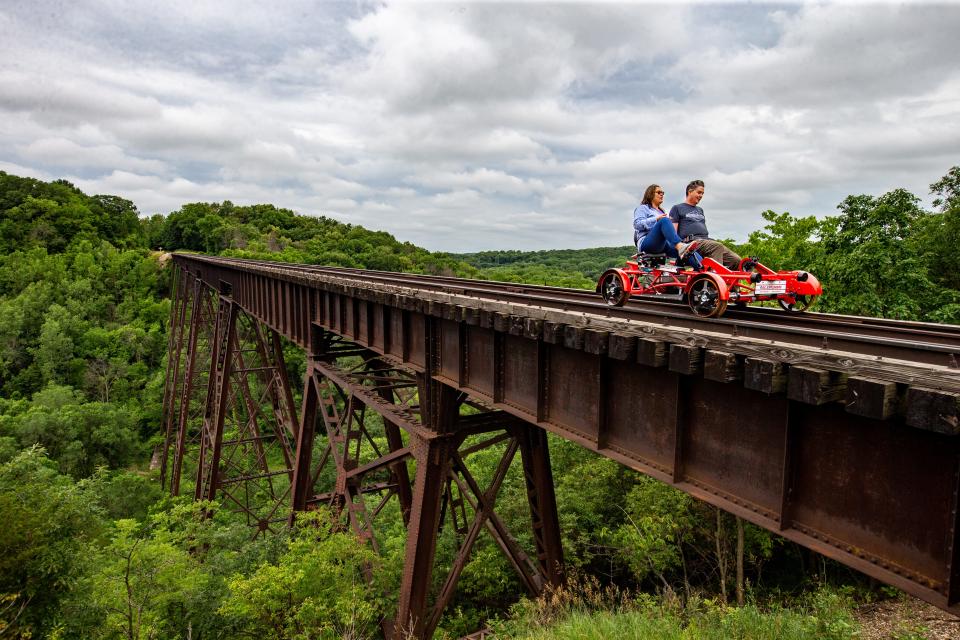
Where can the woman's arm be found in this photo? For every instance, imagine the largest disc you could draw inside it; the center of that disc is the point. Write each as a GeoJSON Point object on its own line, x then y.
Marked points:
{"type": "Point", "coordinates": [644, 218]}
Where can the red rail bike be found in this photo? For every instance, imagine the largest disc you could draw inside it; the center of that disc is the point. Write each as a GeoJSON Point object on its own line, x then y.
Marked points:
{"type": "Point", "coordinates": [710, 289]}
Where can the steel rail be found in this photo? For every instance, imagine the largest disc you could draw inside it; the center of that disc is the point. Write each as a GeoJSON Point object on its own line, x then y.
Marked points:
{"type": "Point", "coordinates": [466, 286]}
{"type": "Point", "coordinates": [928, 343]}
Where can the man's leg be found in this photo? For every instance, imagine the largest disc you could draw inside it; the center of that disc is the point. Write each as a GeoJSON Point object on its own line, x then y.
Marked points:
{"type": "Point", "coordinates": [717, 251]}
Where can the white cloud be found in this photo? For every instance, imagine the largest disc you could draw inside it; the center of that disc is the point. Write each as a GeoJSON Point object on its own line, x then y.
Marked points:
{"type": "Point", "coordinates": [60, 152]}
{"type": "Point", "coordinates": [484, 180]}
{"type": "Point", "coordinates": [482, 125]}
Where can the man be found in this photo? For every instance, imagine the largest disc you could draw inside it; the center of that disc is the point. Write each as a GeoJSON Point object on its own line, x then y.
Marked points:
{"type": "Point", "coordinates": [691, 224]}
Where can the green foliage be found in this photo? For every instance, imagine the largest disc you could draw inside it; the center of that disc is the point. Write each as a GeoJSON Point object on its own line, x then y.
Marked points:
{"type": "Point", "coordinates": [824, 616]}
{"type": "Point", "coordinates": [91, 318]}
{"type": "Point", "coordinates": [267, 232]}
{"type": "Point", "coordinates": [575, 268]}
{"type": "Point", "coordinates": [48, 524]}
{"type": "Point", "coordinates": [316, 589]}
{"type": "Point", "coordinates": [947, 190]}
{"type": "Point", "coordinates": [659, 520]}
{"type": "Point", "coordinates": [55, 214]}
{"type": "Point", "coordinates": [139, 581]}
{"type": "Point", "coordinates": [123, 494]}
{"type": "Point", "coordinates": [876, 266]}
{"type": "Point", "coordinates": [590, 493]}
{"type": "Point", "coordinates": [80, 436]}
{"type": "Point", "coordinates": [786, 242]}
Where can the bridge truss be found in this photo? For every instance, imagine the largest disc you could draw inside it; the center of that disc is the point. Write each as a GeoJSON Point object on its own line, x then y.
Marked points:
{"type": "Point", "coordinates": [229, 417]}
{"type": "Point", "coordinates": [851, 452]}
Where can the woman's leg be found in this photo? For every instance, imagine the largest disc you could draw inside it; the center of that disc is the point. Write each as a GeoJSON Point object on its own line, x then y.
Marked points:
{"type": "Point", "coordinates": [665, 226]}
{"type": "Point", "coordinates": [662, 238]}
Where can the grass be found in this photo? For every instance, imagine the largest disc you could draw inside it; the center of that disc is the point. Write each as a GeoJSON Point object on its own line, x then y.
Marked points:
{"type": "Point", "coordinates": [586, 613]}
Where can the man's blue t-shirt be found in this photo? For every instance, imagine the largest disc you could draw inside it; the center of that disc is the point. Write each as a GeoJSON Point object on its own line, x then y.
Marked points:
{"type": "Point", "coordinates": [690, 220]}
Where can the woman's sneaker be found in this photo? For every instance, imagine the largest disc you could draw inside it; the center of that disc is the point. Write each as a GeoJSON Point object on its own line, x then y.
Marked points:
{"type": "Point", "coordinates": [687, 247]}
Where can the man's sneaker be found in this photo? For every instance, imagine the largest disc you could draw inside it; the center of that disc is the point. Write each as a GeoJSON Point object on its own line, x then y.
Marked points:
{"type": "Point", "coordinates": [687, 247]}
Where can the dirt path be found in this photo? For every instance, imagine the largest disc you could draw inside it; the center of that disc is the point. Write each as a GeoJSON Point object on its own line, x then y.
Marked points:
{"type": "Point", "coordinates": [906, 618]}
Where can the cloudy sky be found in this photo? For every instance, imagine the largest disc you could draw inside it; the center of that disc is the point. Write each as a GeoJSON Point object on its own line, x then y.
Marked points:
{"type": "Point", "coordinates": [468, 126]}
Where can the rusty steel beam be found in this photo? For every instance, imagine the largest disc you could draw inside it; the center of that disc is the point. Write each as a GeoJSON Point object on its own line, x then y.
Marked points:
{"type": "Point", "coordinates": [433, 467]}
{"type": "Point", "coordinates": [535, 454]}
{"type": "Point", "coordinates": [484, 508]}
{"type": "Point", "coordinates": [244, 417]}
{"type": "Point", "coordinates": [855, 456]}
{"type": "Point", "coordinates": [198, 324]}
{"type": "Point", "coordinates": [211, 435]}
{"type": "Point", "coordinates": [178, 308]}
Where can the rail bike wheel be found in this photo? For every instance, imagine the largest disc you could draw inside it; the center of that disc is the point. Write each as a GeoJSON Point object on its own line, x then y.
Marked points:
{"type": "Point", "coordinates": [704, 299]}
{"type": "Point", "coordinates": [801, 303]}
{"type": "Point", "coordinates": [611, 288]}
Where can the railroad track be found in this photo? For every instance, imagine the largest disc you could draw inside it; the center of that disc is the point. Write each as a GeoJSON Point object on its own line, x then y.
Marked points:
{"type": "Point", "coordinates": [918, 342]}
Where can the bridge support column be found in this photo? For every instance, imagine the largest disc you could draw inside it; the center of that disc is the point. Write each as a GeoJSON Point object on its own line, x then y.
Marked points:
{"type": "Point", "coordinates": [201, 317]}
{"type": "Point", "coordinates": [535, 453]}
{"type": "Point", "coordinates": [302, 485]}
{"type": "Point", "coordinates": [218, 394]}
{"type": "Point", "coordinates": [180, 296]}
{"type": "Point", "coordinates": [433, 467]}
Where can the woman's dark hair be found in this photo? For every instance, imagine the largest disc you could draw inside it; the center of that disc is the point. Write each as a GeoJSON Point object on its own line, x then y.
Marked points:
{"type": "Point", "coordinates": [693, 185]}
{"type": "Point", "coordinates": [648, 194]}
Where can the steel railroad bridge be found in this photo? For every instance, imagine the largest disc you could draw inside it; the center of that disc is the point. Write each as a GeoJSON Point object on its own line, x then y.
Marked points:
{"type": "Point", "coordinates": [839, 433]}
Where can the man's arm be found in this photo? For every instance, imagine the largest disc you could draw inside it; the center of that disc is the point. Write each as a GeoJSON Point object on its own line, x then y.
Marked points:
{"type": "Point", "coordinates": [675, 217]}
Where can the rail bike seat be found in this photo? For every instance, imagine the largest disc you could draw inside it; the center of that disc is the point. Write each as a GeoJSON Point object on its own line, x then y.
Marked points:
{"type": "Point", "coordinates": [651, 259]}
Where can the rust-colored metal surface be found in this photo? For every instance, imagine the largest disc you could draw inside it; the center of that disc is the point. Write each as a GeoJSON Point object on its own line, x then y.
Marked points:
{"type": "Point", "coordinates": [853, 452]}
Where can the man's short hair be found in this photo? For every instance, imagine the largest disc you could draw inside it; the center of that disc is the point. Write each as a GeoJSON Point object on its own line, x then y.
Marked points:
{"type": "Point", "coordinates": [693, 185]}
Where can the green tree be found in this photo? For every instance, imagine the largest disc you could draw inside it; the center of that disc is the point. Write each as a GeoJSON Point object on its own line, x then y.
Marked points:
{"type": "Point", "coordinates": [942, 234]}
{"type": "Point", "coordinates": [316, 590]}
{"type": "Point", "coordinates": [947, 190]}
{"type": "Point", "coordinates": [786, 242]}
{"type": "Point", "coordinates": [49, 525]}
{"type": "Point", "coordinates": [80, 436]}
{"type": "Point", "coordinates": [875, 266]}
{"type": "Point", "coordinates": [139, 580]}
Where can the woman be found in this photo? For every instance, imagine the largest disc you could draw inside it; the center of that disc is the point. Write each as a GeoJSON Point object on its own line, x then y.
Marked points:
{"type": "Point", "coordinates": [654, 231]}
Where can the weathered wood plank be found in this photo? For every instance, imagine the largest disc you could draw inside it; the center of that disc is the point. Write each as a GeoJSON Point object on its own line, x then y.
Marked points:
{"type": "Point", "coordinates": [622, 347]}
{"type": "Point", "coordinates": [573, 337]}
{"type": "Point", "coordinates": [553, 332]}
{"type": "Point", "coordinates": [933, 410]}
{"type": "Point", "coordinates": [816, 386]}
{"type": "Point", "coordinates": [532, 328]}
{"type": "Point", "coordinates": [486, 319]}
{"type": "Point", "coordinates": [685, 359]}
{"type": "Point", "coordinates": [595, 342]}
{"type": "Point", "coordinates": [766, 376]}
{"type": "Point", "coordinates": [517, 325]}
{"type": "Point", "coordinates": [871, 398]}
{"type": "Point", "coordinates": [652, 353]}
{"type": "Point", "coordinates": [721, 366]}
